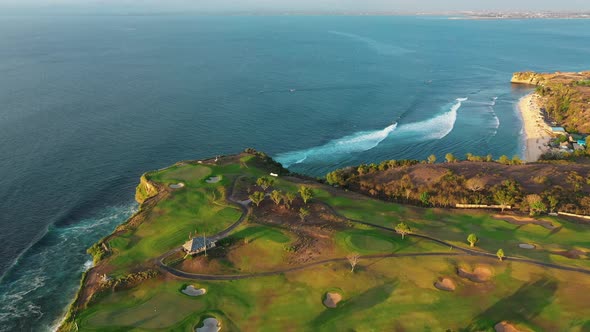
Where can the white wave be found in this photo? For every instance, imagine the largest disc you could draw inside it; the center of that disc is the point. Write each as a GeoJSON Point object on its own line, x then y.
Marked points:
{"type": "Point", "coordinates": [379, 47]}
{"type": "Point", "coordinates": [435, 128]}
{"type": "Point", "coordinates": [49, 270]}
{"type": "Point", "coordinates": [358, 142]}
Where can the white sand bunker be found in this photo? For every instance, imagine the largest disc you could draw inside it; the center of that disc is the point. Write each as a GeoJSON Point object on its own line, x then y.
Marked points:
{"type": "Point", "coordinates": [209, 325]}
{"type": "Point", "coordinates": [177, 185]}
{"type": "Point", "coordinates": [192, 291]}
{"type": "Point", "coordinates": [526, 246]}
{"type": "Point", "coordinates": [481, 273]}
{"type": "Point", "coordinates": [213, 179]}
{"type": "Point", "coordinates": [332, 299]}
{"type": "Point", "coordinates": [445, 284]}
{"type": "Point", "coordinates": [505, 327]}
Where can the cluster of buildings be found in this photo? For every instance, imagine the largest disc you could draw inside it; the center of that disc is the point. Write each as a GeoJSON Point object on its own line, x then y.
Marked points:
{"type": "Point", "coordinates": [572, 142]}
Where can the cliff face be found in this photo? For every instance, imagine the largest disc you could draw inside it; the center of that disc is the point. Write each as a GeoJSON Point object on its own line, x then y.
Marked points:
{"type": "Point", "coordinates": [528, 77]}
{"type": "Point", "coordinates": [145, 190]}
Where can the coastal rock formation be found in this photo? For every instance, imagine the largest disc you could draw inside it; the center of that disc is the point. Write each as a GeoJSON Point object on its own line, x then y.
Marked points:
{"type": "Point", "coordinates": [145, 190]}
{"type": "Point", "coordinates": [527, 77]}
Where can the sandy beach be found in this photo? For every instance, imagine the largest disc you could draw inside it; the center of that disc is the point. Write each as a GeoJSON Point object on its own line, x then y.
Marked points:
{"type": "Point", "coordinates": [537, 132]}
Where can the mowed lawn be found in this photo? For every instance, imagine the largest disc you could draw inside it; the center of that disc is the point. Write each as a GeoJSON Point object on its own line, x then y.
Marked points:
{"type": "Point", "coordinates": [382, 295]}
{"type": "Point", "coordinates": [454, 226]}
{"type": "Point", "coordinates": [195, 209]}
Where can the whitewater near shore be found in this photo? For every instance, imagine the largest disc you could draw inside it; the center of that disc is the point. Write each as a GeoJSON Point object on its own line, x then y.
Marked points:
{"type": "Point", "coordinates": [537, 131]}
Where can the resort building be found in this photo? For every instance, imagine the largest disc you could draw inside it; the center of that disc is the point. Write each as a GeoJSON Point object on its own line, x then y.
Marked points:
{"type": "Point", "coordinates": [197, 245]}
{"type": "Point", "coordinates": [558, 130]}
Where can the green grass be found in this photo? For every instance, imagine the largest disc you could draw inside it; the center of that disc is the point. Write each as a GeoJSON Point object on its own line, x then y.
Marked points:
{"type": "Point", "coordinates": [383, 294]}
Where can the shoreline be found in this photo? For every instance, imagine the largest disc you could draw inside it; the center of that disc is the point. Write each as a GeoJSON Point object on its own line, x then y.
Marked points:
{"type": "Point", "coordinates": [536, 131]}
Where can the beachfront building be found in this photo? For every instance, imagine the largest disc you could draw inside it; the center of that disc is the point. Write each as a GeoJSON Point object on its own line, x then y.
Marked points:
{"type": "Point", "coordinates": [197, 245]}
{"type": "Point", "coordinates": [558, 130]}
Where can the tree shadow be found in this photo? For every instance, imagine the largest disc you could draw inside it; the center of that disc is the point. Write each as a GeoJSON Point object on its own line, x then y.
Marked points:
{"type": "Point", "coordinates": [364, 301]}
{"type": "Point", "coordinates": [522, 306]}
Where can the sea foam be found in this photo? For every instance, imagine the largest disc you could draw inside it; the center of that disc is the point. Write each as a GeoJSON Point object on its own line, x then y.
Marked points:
{"type": "Point", "coordinates": [358, 142]}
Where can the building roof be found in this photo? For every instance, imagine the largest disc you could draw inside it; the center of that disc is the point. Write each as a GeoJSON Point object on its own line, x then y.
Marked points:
{"type": "Point", "coordinates": [558, 129]}
{"type": "Point", "coordinates": [197, 244]}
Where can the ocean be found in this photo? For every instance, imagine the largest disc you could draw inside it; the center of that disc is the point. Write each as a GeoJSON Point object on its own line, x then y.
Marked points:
{"type": "Point", "coordinates": [89, 103]}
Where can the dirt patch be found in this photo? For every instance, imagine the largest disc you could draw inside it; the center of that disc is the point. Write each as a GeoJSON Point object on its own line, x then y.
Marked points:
{"type": "Point", "coordinates": [332, 299]}
{"type": "Point", "coordinates": [505, 327]}
{"type": "Point", "coordinates": [572, 254]}
{"type": "Point", "coordinates": [481, 273]}
{"type": "Point", "coordinates": [209, 325]}
{"type": "Point", "coordinates": [191, 290]}
{"type": "Point", "coordinates": [213, 179]}
{"type": "Point", "coordinates": [516, 220]}
{"type": "Point", "coordinates": [178, 185]}
{"type": "Point", "coordinates": [445, 284]}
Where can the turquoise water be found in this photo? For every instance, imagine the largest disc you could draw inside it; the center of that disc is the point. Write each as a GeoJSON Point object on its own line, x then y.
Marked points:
{"type": "Point", "coordinates": [87, 104]}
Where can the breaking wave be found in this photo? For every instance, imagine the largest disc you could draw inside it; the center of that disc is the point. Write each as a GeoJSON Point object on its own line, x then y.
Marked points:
{"type": "Point", "coordinates": [435, 128]}
{"type": "Point", "coordinates": [38, 288]}
{"type": "Point", "coordinates": [358, 142]}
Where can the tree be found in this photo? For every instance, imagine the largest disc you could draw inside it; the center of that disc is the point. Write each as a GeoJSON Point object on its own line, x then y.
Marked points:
{"type": "Point", "coordinates": [305, 193]}
{"type": "Point", "coordinates": [403, 229]}
{"type": "Point", "coordinates": [503, 197]}
{"type": "Point", "coordinates": [475, 184]}
{"type": "Point", "coordinates": [257, 197]}
{"type": "Point", "coordinates": [425, 198]}
{"type": "Point", "coordinates": [289, 198]}
{"type": "Point", "coordinates": [500, 254]}
{"type": "Point", "coordinates": [516, 160]}
{"type": "Point", "coordinates": [265, 182]}
{"type": "Point", "coordinates": [489, 158]}
{"type": "Point", "coordinates": [353, 259]}
{"type": "Point", "coordinates": [431, 159]}
{"type": "Point", "coordinates": [575, 180]}
{"type": "Point", "coordinates": [276, 196]}
{"type": "Point", "coordinates": [472, 239]}
{"type": "Point", "coordinates": [303, 213]}
{"type": "Point", "coordinates": [504, 160]}
{"type": "Point", "coordinates": [535, 204]}
{"type": "Point", "coordinates": [553, 202]}
{"type": "Point", "coordinates": [450, 158]}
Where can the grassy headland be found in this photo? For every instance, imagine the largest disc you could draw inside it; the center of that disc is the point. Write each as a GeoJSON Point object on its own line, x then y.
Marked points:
{"type": "Point", "coordinates": [291, 246]}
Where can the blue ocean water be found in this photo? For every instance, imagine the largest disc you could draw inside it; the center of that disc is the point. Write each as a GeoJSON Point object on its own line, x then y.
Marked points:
{"type": "Point", "coordinates": [87, 104]}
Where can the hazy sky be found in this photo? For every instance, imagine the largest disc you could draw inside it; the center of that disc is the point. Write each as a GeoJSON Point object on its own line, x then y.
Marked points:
{"type": "Point", "coordinates": [297, 5]}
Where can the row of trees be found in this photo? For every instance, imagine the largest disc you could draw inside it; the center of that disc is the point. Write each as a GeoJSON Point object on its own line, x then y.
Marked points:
{"type": "Point", "coordinates": [452, 189]}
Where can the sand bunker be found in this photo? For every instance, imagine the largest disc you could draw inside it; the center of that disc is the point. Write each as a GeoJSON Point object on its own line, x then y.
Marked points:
{"type": "Point", "coordinates": [572, 254]}
{"type": "Point", "coordinates": [505, 327]}
{"type": "Point", "coordinates": [332, 299]}
{"type": "Point", "coordinates": [192, 291]}
{"type": "Point", "coordinates": [526, 246]}
{"type": "Point", "coordinates": [524, 221]}
{"type": "Point", "coordinates": [177, 185]}
{"type": "Point", "coordinates": [213, 179]}
{"type": "Point", "coordinates": [445, 284]}
{"type": "Point", "coordinates": [481, 273]}
{"type": "Point", "coordinates": [209, 325]}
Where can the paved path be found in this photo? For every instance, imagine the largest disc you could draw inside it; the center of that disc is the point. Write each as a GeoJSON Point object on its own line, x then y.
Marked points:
{"type": "Point", "coordinates": [244, 207]}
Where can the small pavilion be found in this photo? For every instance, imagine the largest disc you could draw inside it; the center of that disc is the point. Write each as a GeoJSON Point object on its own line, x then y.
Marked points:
{"type": "Point", "coordinates": [197, 245]}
